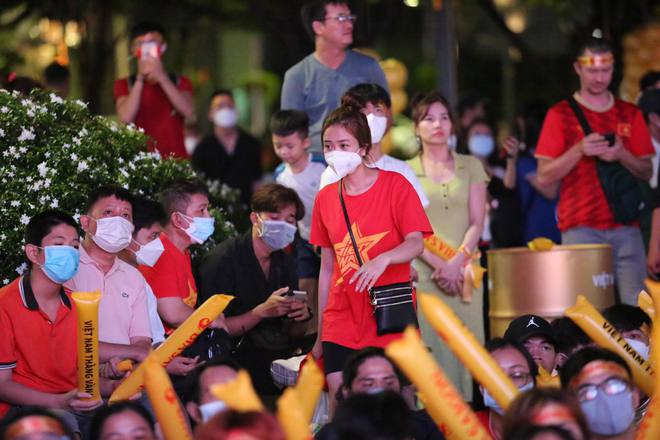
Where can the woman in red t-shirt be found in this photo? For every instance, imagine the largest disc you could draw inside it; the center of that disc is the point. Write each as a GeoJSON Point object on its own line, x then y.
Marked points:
{"type": "Point", "coordinates": [388, 223]}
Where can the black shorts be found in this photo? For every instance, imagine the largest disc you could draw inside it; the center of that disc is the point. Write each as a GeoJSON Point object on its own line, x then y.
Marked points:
{"type": "Point", "coordinates": [334, 357]}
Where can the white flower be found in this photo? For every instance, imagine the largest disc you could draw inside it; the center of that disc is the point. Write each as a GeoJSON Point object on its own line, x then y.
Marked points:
{"type": "Point", "coordinates": [2, 133]}
{"type": "Point", "coordinates": [25, 219]}
{"type": "Point", "coordinates": [22, 150]}
{"type": "Point", "coordinates": [47, 183]}
{"type": "Point", "coordinates": [55, 203]}
{"type": "Point", "coordinates": [15, 203]}
{"type": "Point", "coordinates": [81, 103]}
{"type": "Point", "coordinates": [55, 99]}
{"type": "Point", "coordinates": [83, 132]}
{"type": "Point", "coordinates": [4, 109]}
{"type": "Point", "coordinates": [10, 174]}
{"type": "Point", "coordinates": [26, 135]}
{"type": "Point", "coordinates": [5, 281]}
{"type": "Point", "coordinates": [20, 269]}
{"type": "Point", "coordinates": [43, 169]}
{"type": "Point", "coordinates": [76, 140]}
{"type": "Point", "coordinates": [82, 166]}
{"type": "Point", "coordinates": [30, 112]}
{"type": "Point", "coordinates": [47, 154]}
{"type": "Point", "coordinates": [74, 156]}
{"type": "Point", "coordinates": [26, 103]}
{"type": "Point", "coordinates": [66, 146]}
{"type": "Point", "coordinates": [76, 216]}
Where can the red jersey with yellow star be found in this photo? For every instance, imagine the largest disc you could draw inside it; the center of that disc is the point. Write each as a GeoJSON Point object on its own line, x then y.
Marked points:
{"type": "Point", "coordinates": [380, 219]}
{"type": "Point", "coordinates": [171, 276]}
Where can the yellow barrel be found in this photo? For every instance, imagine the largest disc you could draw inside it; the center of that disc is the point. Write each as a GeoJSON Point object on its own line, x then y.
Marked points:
{"type": "Point", "coordinates": [545, 283]}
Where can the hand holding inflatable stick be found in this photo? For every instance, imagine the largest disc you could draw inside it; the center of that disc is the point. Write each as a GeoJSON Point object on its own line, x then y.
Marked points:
{"type": "Point", "coordinates": [181, 338]}
{"type": "Point", "coordinates": [466, 347]}
{"type": "Point", "coordinates": [585, 315]}
{"type": "Point", "coordinates": [87, 307]}
{"type": "Point", "coordinates": [443, 403]}
{"type": "Point", "coordinates": [163, 398]}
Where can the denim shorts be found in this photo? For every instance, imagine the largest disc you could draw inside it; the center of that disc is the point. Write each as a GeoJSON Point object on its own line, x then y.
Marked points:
{"type": "Point", "coordinates": [308, 263]}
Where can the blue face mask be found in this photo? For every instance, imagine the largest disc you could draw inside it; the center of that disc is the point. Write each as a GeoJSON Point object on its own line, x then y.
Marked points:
{"type": "Point", "coordinates": [481, 145]}
{"type": "Point", "coordinates": [491, 403]}
{"type": "Point", "coordinates": [200, 228]}
{"type": "Point", "coordinates": [609, 415]}
{"type": "Point", "coordinates": [61, 263]}
{"type": "Point", "coordinates": [277, 234]}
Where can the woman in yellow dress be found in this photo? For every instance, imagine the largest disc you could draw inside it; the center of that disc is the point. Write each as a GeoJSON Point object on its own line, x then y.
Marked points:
{"type": "Point", "coordinates": [456, 187]}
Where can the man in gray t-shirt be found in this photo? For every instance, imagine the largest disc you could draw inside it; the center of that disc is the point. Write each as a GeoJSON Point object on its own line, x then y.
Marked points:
{"type": "Point", "coordinates": [316, 84]}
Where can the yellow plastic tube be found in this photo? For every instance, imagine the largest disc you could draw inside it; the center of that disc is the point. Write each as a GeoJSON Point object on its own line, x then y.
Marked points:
{"type": "Point", "coordinates": [292, 416]}
{"type": "Point", "coordinates": [540, 244]}
{"type": "Point", "coordinates": [87, 308]}
{"type": "Point", "coordinates": [181, 338]}
{"type": "Point", "coordinates": [309, 388]}
{"type": "Point", "coordinates": [466, 348]}
{"type": "Point", "coordinates": [645, 302]}
{"type": "Point", "coordinates": [585, 315]}
{"type": "Point", "coordinates": [649, 428]}
{"type": "Point", "coordinates": [125, 365]}
{"type": "Point", "coordinates": [167, 408]}
{"type": "Point", "coordinates": [238, 394]}
{"type": "Point", "coordinates": [547, 380]}
{"type": "Point", "coordinates": [443, 403]}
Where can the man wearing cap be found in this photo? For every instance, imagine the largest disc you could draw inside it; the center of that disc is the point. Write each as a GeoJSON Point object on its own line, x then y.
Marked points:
{"type": "Point", "coordinates": [571, 159]}
{"type": "Point", "coordinates": [538, 337]}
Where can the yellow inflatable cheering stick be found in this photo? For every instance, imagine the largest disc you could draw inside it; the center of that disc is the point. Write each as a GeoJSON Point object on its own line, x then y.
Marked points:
{"type": "Point", "coordinates": [585, 315]}
{"type": "Point", "coordinates": [645, 302]}
{"type": "Point", "coordinates": [87, 307]}
{"type": "Point", "coordinates": [238, 394]}
{"type": "Point", "coordinates": [649, 428]}
{"type": "Point", "coordinates": [167, 408]}
{"type": "Point", "coordinates": [296, 406]}
{"type": "Point", "coordinates": [443, 403]}
{"type": "Point", "coordinates": [473, 273]}
{"type": "Point", "coordinates": [181, 338]}
{"type": "Point", "coordinates": [466, 348]}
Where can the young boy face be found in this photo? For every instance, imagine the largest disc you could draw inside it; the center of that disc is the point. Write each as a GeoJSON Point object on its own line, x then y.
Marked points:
{"type": "Point", "coordinates": [290, 148]}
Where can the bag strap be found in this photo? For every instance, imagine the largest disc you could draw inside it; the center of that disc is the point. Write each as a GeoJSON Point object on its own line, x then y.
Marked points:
{"type": "Point", "coordinates": [348, 223]}
{"type": "Point", "coordinates": [580, 115]}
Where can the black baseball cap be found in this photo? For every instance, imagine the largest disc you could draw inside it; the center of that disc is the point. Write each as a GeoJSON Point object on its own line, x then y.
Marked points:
{"type": "Point", "coordinates": [526, 326]}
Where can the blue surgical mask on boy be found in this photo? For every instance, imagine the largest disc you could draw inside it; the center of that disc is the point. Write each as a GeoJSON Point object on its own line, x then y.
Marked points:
{"type": "Point", "coordinates": [61, 263]}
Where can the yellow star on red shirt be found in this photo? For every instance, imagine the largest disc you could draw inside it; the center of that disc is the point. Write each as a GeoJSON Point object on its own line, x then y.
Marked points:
{"type": "Point", "coordinates": [345, 254]}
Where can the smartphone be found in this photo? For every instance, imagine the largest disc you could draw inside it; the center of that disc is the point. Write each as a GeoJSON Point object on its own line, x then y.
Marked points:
{"type": "Point", "coordinates": [299, 295]}
{"type": "Point", "coordinates": [149, 49]}
{"type": "Point", "coordinates": [609, 137]}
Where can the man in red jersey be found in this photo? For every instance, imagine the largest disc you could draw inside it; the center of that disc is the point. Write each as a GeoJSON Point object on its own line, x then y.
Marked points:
{"type": "Point", "coordinates": [152, 99]}
{"type": "Point", "coordinates": [568, 157]}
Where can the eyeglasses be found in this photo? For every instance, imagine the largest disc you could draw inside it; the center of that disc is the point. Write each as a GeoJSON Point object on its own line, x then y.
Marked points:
{"type": "Point", "coordinates": [611, 387]}
{"type": "Point", "coordinates": [341, 18]}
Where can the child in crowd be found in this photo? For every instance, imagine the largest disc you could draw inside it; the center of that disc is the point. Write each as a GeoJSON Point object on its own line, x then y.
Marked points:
{"type": "Point", "coordinates": [538, 337]}
{"type": "Point", "coordinates": [633, 324]}
{"type": "Point", "coordinates": [300, 171]}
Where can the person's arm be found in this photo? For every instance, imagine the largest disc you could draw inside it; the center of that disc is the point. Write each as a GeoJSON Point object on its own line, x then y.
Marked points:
{"type": "Point", "coordinates": [137, 350]}
{"type": "Point", "coordinates": [550, 192]}
{"type": "Point", "coordinates": [553, 170]}
{"type": "Point", "coordinates": [173, 311]}
{"type": "Point", "coordinates": [511, 145]}
{"type": "Point", "coordinates": [292, 92]}
{"type": "Point", "coordinates": [367, 275]}
{"type": "Point", "coordinates": [127, 106]}
{"type": "Point", "coordinates": [325, 277]}
{"type": "Point", "coordinates": [642, 168]}
{"type": "Point", "coordinates": [275, 306]}
{"type": "Point", "coordinates": [181, 100]}
{"type": "Point", "coordinates": [653, 258]}
{"type": "Point", "coordinates": [18, 394]}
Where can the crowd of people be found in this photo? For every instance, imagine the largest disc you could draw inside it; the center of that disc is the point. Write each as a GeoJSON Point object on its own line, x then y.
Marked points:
{"type": "Point", "coordinates": [335, 254]}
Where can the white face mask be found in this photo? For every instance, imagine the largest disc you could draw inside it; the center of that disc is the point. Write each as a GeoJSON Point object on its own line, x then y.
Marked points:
{"type": "Point", "coordinates": [210, 409]}
{"type": "Point", "coordinates": [641, 348]}
{"type": "Point", "coordinates": [113, 234]}
{"type": "Point", "coordinates": [377, 127]}
{"type": "Point", "coordinates": [343, 162]}
{"type": "Point", "coordinates": [225, 117]}
{"type": "Point", "coordinates": [149, 253]}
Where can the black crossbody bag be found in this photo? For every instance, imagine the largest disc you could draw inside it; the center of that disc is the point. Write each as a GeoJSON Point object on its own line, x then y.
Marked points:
{"type": "Point", "coordinates": [393, 303]}
{"type": "Point", "coordinates": [628, 197]}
